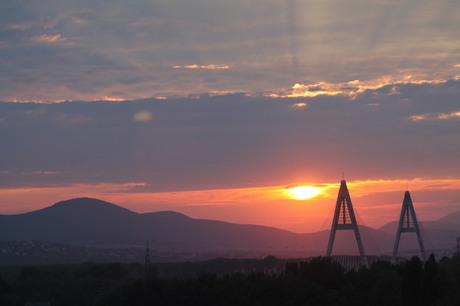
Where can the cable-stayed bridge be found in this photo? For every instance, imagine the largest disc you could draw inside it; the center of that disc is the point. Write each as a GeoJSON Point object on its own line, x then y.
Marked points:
{"type": "Point", "coordinates": [346, 229]}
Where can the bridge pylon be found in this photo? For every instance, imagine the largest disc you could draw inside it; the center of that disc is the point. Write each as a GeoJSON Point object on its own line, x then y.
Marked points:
{"type": "Point", "coordinates": [408, 224]}
{"type": "Point", "coordinates": [344, 219]}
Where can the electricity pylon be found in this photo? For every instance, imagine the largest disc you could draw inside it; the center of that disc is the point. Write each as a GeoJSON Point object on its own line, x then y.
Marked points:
{"type": "Point", "coordinates": [147, 259]}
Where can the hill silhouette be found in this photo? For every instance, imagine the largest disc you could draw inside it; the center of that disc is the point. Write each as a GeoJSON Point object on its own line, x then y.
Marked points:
{"type": "Point", "coordinates": [92, 222]}
{"type": "Point", "coordinates": [438, 234]}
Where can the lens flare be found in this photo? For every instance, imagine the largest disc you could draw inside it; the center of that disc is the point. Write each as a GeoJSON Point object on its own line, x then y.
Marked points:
{"type": "Point", "coordinates": [142, 116]}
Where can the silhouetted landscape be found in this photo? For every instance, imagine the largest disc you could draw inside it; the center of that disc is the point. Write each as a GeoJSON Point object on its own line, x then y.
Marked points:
{"type": "Point", "coordinates": [194, 149]}
{"type": "Point", "coordinates": [89, 252]}
{"type": "Point", "coordinates": [85, 229]}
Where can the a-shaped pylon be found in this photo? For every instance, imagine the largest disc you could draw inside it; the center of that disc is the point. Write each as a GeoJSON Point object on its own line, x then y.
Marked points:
{"type": "Point", "coordinates": [344, 219]}
{"type": "Point", "coordinates": [408, 224]}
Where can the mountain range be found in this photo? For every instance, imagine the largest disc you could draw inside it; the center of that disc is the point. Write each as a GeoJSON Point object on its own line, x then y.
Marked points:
{"type": "Point", "coordinates": [96, 223]}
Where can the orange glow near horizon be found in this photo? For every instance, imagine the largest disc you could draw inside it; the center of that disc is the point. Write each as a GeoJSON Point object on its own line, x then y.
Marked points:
{"type": "Point", "coordinates": [304, 192]}
{"type": "Point", "coordinates": [376, 201]}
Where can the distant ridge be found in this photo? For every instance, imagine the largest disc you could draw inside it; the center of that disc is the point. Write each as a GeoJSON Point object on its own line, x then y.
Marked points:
{"type": "Point", "coordinates": [439, 234]}
{"type": "Point", "coordinates": [453, 218]}
{"type": "Point", "coordinates": [82, 206]}
{"type": "Point", "coordinates": [92, 222]}
{"type": "Point", "coordinates": [97, 223]}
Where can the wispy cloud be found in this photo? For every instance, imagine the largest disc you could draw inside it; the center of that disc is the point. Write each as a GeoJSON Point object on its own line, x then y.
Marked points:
{"type": "Point", "coordinates": [300, 105]}
{"type": "Point", "coordinates": [436, 116]}
{"type": "Point", "coordinates": [351, 88]}
{"type": "Point", "coordinates": [48, 38]}
{"type": "Point", "coordinates": [210, 67]}
{"type": "Point", "coordinates": [42, 172]}
{"type": "Point", "coordinates": [15, 26]}
{"type": "Point", "coordinates": [449, 116]}
{"type": "Point", "coordinates": [84, 52]}
{"type": "Point", "coordinates": [107, 98]}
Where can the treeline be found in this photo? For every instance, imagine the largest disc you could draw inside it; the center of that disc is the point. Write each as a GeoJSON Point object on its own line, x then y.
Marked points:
{"type": "Point", "coordinates": [319, 281]}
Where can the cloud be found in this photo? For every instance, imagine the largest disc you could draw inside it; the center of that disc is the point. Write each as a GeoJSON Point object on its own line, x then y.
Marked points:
{"type": "Point", "coordinates": [300, 105]}
{"type": "Point", "coordinates": [48, 38]}
{"type": "Point", "coordinates": [211, 67]}
{"type": "Point", "coordinates": [230, 157]}
{"type": "Point", "coordinates": [17, 26]}
{"type": "Point", "coordinates": [39, 173]}
{"type": "Point", "coordinates": [449, 116]}
{"type": "Point", "coordinates": [82, 51]}
{"type": "Point", "coordinates": [352, 88]}
{"type": "Point", "coordinates": [234, 140]}
{"type": "Point", "coordinates": [436, 116]}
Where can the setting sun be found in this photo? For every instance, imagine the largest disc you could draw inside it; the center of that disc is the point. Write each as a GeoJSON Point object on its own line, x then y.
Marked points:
{"type": "Point", "coordinates": [304, 192]}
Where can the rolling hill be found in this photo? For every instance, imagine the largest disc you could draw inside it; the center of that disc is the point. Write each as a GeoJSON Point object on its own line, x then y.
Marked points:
{"type": "Point", "coordinates": [95, 223]}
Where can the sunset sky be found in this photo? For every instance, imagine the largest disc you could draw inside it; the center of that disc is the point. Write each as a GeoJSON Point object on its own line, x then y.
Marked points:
{"type": "Point", "coordinates": [216, 109]}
